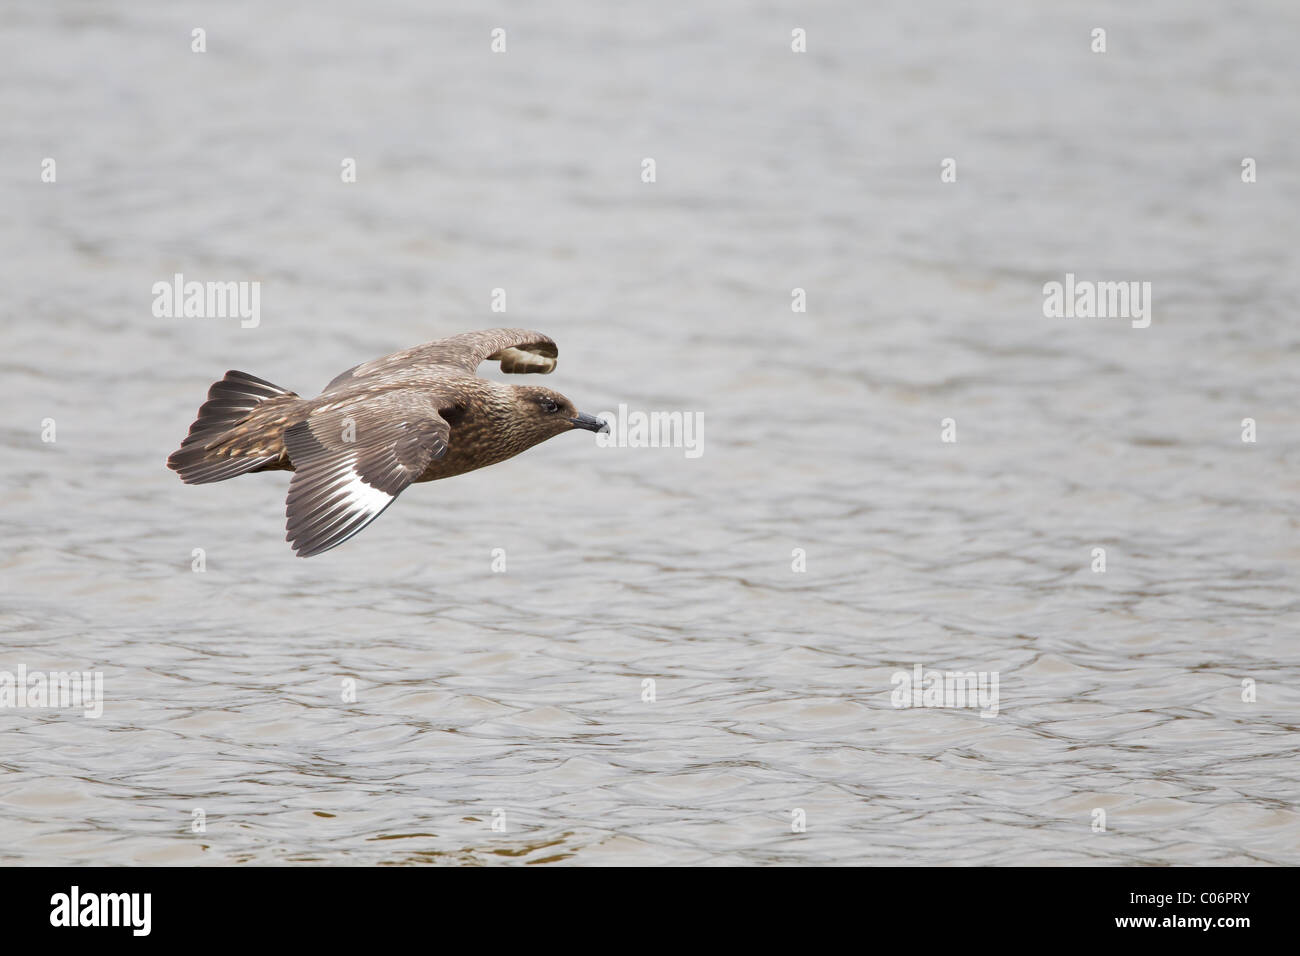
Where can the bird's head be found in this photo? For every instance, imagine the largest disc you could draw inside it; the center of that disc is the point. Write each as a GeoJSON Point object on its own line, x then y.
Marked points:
{"type": "Point", "coordinates": [546, 413]}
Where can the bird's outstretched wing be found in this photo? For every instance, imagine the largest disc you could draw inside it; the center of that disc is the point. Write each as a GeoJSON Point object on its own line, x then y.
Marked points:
{"type": "Point", "coordinates": [352, 458]}
{"type": "Point", "coordinates": [518, 350]}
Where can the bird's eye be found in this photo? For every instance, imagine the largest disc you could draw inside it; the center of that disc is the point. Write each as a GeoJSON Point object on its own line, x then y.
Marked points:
{"type": "Point", "coordinates": [550, 405]}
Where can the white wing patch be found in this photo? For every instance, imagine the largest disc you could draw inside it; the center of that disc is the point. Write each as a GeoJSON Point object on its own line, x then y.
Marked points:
{"type": "Point", "coordinates": [328, 506]}
{"type": "Point", "coordinates": [344, 478]}
{"type": "Point", "coordinates": [523, 361]}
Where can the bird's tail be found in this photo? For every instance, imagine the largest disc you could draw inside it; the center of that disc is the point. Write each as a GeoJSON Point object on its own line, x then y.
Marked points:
{"type": "Point", "coordinates": [228, 439]}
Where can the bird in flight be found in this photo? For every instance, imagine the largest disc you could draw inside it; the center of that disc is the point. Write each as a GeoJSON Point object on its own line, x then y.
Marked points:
{"type": "Point", "coordinates": [416, 415]}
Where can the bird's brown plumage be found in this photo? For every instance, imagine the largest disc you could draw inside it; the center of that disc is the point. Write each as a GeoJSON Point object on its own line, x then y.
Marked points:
{"type": "Point", "coordinates": [416, 415]}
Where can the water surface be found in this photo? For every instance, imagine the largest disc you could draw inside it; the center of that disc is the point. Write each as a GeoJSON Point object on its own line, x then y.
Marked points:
{"type": "Point", "coordinates": [522, 691]}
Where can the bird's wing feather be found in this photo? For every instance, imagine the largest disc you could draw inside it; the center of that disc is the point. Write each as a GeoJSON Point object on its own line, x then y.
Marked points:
{"type": "Point", "coordinates": [518, 350]}
{"type": "Point", "coordinates": [352, 458]}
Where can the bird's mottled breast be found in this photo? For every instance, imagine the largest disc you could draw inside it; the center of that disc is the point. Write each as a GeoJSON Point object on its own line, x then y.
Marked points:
{"type": "Point", "coordinates": [477, 440]}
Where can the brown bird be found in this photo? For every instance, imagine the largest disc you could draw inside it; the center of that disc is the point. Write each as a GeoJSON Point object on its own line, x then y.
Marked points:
{"type": "Point", "coordinates": [416, 415]}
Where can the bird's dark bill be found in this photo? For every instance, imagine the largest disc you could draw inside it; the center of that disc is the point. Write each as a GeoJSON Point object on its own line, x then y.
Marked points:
{"type": "Point", "coordinates": [591, 423]}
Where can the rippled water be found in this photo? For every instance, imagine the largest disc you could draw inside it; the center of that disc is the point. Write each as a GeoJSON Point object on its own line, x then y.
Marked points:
{"type": "Point", "coordinates": [518, 696]}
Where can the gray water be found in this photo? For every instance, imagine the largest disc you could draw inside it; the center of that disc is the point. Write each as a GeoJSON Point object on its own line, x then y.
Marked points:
{"type": "Point", "coordinates": [517, 696]}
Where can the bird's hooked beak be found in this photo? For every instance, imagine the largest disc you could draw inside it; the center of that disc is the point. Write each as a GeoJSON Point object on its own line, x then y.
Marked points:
{"type": "Point", "coordinates": [590, 422]}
